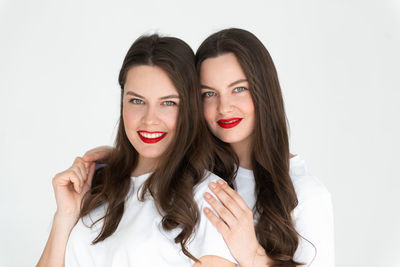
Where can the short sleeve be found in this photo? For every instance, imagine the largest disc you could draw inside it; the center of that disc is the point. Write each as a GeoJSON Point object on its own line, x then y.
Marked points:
{"type": "Point", "coordinates": [313, 220]}
{"type": "Point", "coordinates": [207, 240]}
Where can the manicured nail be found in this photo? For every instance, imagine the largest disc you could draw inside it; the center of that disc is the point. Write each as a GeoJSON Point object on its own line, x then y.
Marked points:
{"type": "Point", "coordinates": [213, 185]}
{"type": "Point", "coordinates": [206, 210]}
{"type": "Point", "coordinates": [221, 181]}
{"type": "Point", "coordinates": [207, 195]}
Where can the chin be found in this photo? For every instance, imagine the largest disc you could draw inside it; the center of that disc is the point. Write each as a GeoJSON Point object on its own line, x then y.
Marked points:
{"type": "Point", "coordinates": [230, 139]}
{"type": "Point", "coordinates": [151, 153]}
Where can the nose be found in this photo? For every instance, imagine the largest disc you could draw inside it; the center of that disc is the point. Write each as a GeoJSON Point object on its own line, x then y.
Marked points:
{"type": "Point", "coordinates": [224, 104]}
{"type": "Point", "coordinates": [151, 116]}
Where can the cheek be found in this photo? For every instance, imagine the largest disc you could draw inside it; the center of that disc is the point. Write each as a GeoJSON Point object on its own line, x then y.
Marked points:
{"type": "Point", "coordinates": [247, 105]}
{"type": "Point", "coordinates": [170, 117]}
{"type": "Point", "coordinates": [130, 117]}
{"type": "Point", "coordinates": [209, 109]}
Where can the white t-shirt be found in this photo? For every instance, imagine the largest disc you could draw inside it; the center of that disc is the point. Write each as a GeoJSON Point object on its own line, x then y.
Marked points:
{"type": "Point", "coordinates": [313, 216]}
{"type": "Point", "coordinates": [140, 239]}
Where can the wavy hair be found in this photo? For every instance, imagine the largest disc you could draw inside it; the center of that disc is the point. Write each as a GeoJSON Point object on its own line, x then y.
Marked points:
{"type": "Point", "coordinates": [184, 162]}
{"type": "Point", "coordinates": [275, 194]}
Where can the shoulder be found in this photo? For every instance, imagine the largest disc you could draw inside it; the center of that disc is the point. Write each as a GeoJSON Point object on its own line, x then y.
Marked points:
{"type": "Point", "coordinates": [206, 242]}
{"type": "Point", "coordinates": [307, 186]}
{"type": "Point", "coordinates": [202, 186]}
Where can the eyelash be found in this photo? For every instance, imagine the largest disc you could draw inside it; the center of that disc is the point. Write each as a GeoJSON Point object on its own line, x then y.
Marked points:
{"type": "Point", "coordinates": [169, 103]}
{"type": "Point", "coordinates": [137, 101]}
{"type": "Point", "coordinates": [242, 89]}
{"type": "Point", "coordinates": [236, 90]}
{"type": "Point", "coordinates": [206, 94]}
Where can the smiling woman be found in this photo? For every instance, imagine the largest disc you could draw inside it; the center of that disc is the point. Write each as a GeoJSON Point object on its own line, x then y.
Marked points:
{"type": "Point", "coordinates": [280, 214]}
{"type": "Point", "coordinates": [143, 207]}
{"type": "Point", "coordinates": [150, 110]}
{"type": "Point", "coordinates": [227, 102]}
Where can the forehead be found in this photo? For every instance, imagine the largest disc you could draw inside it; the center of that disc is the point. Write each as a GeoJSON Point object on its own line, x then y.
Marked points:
{"type": "Point", "coordinates": [149, 81]}
{"type": "Point", "coordinates": [221, 70]}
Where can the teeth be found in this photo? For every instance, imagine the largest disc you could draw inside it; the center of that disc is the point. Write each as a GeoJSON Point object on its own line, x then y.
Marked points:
{"type": "Point", "coordinates": [230, 121]}
{"type": "Point", "coordinates": [151, 135]}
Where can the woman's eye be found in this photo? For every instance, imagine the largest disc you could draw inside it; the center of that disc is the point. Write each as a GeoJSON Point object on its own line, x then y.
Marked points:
{"type": "Point", "coordinates": [208, 94]}
{"type": "Point", "coordinates": [169, 103]}
{"type": "Point", "coordinates": [239, 89]}
{"type": "Point", "coordinates": [136, 101]}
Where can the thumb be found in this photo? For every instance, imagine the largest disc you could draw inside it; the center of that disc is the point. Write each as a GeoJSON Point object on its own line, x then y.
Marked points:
{"type": "Point", "coordinates": [98, 153]}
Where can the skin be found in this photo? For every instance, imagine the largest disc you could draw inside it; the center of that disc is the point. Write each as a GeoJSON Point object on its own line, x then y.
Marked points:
{"type": "Point", "coordinates": [150, 103]}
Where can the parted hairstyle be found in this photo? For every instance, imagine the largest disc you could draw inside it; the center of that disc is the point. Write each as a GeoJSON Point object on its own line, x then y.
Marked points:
{"type": "Point", "coordinates": [275, 194]}
{"type": "Point", "coordinates": [182, 165]}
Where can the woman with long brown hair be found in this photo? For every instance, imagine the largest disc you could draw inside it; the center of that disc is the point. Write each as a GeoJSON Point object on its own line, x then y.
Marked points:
{"type": "Point", "coordinates": [244, 108]}
{"type": "Point", "coordinates": [280, 215]}
{"type": "Point", "coordinates": [144, 207]}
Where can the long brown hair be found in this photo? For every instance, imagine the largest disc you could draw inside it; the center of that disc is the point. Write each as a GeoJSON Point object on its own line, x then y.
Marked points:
{"type": "Point", "coordinates": [276, 197]}
{"type": "Point", "coordinates": [184, 163]}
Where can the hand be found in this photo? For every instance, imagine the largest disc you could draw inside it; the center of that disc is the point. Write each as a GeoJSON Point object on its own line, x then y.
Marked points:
{"type": "Point", "coordinates": [69, 188]}
{"type": "Point", "coordinates": [235, 224]}
{"type": "Point", "coordinates": [98, 153]}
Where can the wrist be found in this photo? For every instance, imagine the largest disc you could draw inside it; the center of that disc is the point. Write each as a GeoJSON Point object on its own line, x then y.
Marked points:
{"type": "Point", "coordinates": [258, 258]}
{"type": "Point", "coordinates": [65, 220]}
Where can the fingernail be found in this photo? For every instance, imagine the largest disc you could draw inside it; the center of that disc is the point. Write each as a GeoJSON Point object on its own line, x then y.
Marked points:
{"type": "Point", "coordinates": [213, 185]}
{"type": "Point", "coordinates": [206, 210]}
{"type": "Point", "coordinates": [207, 195]}
{"type": "Point", "coordinates": [221, 181]}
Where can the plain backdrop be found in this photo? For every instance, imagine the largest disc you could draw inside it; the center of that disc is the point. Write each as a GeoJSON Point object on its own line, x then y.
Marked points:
{"type": "Point", "coordinates": [338, 63]}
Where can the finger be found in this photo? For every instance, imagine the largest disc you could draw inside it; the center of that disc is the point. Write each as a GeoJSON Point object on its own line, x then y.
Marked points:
{"type": "Point", "coordinates": [84, 168]}
{"type": "Point", "coordinates": [79, 160]}
{"type": "Point", "coordinates": [226, 199]}
{"type": "Point", "coordinates": [233, 194]}
{"type": "Point", "coordinates": [89, 179]}
{"type": "Point", "coordinates": [81, 170]}
{"type": "Point", "coordinates": [220, 209]}
{"type": "Point", "coordinates": [78, 180]}
{"type": "Point", "coordinates": [75, 183]}
{"type": "Point", "coordinates": [98, 153]}
{"type": "Point", "coordinates": [76, 160]}
{"type": "Point", "coordinates": [217, 222]}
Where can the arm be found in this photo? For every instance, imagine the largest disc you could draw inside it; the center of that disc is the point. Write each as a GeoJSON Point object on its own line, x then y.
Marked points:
{"type": "Point", "coordinates": [236, 225]}
{"type": "Point", "coordinates": [54, 251]}
{"type": "Point", "coordinates": [69, 188]}
{"type": "Point", "coordinates": [213, 261]}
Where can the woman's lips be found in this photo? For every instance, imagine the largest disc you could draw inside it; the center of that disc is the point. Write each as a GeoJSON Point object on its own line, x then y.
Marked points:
{"type": "Point", "coordinates": [151, 137]}
{"type": "Point", "coordinates": [229, 123]}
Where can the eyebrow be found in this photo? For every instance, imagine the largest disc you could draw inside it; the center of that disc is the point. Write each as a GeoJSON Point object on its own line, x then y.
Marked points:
{"type": "Point", "coordinates": [164, 97]}
{"type": "Point", "coordinates": [230, 85]}
{"type": "Point", "coordinates": [236, 82]}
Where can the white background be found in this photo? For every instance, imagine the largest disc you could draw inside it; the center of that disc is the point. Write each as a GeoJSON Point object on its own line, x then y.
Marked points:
{"type": "Point", "coordinates": [337, 62]}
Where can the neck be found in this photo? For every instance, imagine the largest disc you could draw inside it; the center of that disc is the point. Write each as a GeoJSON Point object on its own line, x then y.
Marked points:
{"type": "Point", "coordinates": [145, 165]}
{"type": "Point", "coordinates": [243, 151]}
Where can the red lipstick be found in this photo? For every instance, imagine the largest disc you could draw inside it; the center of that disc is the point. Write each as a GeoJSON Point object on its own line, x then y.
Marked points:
{"type": "Point", "coordinates": [229, 123]}
{"type": "Point", "coordinates": [151, 137]}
